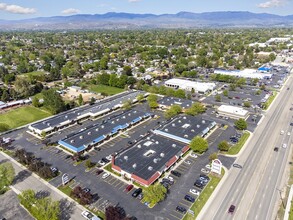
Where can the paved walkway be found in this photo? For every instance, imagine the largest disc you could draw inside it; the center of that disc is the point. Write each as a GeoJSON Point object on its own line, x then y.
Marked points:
{"type": "Point", "coordinates": [24, 180]}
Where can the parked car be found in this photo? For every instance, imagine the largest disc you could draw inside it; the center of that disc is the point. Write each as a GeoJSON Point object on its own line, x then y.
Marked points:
{"type": "Point", "coordinates": [199, 184]}
{"type": "Point", "coordinates": [194, 192]}
{"type": "Point", "coordinates": [109, 157]}
{"type": "Point", "coordinates": [193, 155]}
{"type": "Point", "coordinates": [181, 209]}
{"type": "Point", "coordinates": [170, 178]}
{"type": "Point", "coordinates": [231, 209]}
{"type": "Point", "coordinates": [102, 163]}
{"type": "Point", "coordinates": [237, 165]}
{"type": "Point", "coordinates": [86, 190]}
{"type": "Point", "coordinates": [99, 171]}
{"type": "Point", "coordinates": [206, 171]}
{"type": "Point", "coordinates": [129, 187]}
{"type": "Point", "coordinates": [105, 175]}
{"type": "Point", "coordinates": [208, 166]}
{"type": "Point", "coordinates": [176, 173]}
{"type": "Point", "coordinates": [54, 170]}
{"type": "Point", "coordinates": [140, 196]}
{"type": "Point", "coordinates": [189, 198]}
{"type": "Point", "coordinates": [105, 160]}
{"type": "Point", "coordinates": [276, 149]}
{"type": "Point", "coordinates": [204, 176]}
{"type": "Point", "coordinates": [136, 192]}
{"type": "Point", "coordinates": [89, 216]}
{"type": "Point", "coordinates": [203, 180]}
{"type": "Point", "coordinates": [67, 157]}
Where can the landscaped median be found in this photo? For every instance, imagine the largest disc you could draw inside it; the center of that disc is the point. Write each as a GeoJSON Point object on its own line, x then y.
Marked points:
{"type": "Point", "coordinates": [267, 104]}
{"type": "Point", "coordinates": [204, 196]}
{"type": "Point", "coordinates": [238, 146]}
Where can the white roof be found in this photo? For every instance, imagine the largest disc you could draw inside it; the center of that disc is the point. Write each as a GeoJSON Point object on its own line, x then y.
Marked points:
{"type": "Point", "coordinates": [233, 110]}
{"type": "Point", "coordinates": [188, 85]}
{"type": "Point", "coordinates": [246, 73]}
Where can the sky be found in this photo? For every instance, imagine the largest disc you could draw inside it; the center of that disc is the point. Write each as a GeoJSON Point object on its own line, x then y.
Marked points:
{"type": "Point", "coordinates": [22, 9]}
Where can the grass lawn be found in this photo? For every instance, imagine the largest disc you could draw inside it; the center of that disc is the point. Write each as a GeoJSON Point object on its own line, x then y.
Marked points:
{"type": "Point", "coordinates": [237, 147]}
{"type": "Point", "coordinates": [22, 116]}
{"type": "Point", "coordinates": [204, 196]}
{"type": "Point", "coordinates": [109, 90]}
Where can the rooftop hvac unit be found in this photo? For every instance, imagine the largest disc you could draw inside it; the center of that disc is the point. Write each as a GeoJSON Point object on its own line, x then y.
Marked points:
{"type": "Point", "coordinates": [97, 129]}
{"type": "Point", "coordinates": [150, 168]}
{"type": "Point", "coordinates": [139, 146]}
{"type": "Point", "coordinates": [168, 99]}
{"type": "Point", "coordinates": [162, 155]}
{"type": "Point", "coordinates": [155, 160]}
{"type": "Point", "coordinates": [125, 157]}
{"type": "Point", "coordinates": [129, 114]}
{"type": "Point", "coordinates": [117, 119]}
{"type": "Point", "coordinates": [102, 126]}
{"type": "Point", "coordinates": [113, 122]}
{"type": "Point", "coordinates": [72, 141]}
{"type": "Point", "coordinates": [48, 124]}
{"type": "Point", "coordinates": [166, 129]}
{"type": "Point", "coordinates": [134, 111]}
{"type": "Point", "coordinates": [157, 142]}
{"type": "Point", "coordinates": [66, 116]}
{"type": "Point", "coordinates": [198, 126]}
{"type": "Point", "coordinates": [134, 165]}
{"type": "Point", "coordinates": [186, 136]}
{"type": "Point", "coordinates": [173, 145]}
{"type": "Point", "coordinates": [192, 130]}
{"type": "Point", "coordinates": [203, 121]}
{"type": "Point", "coordinates": [124, 116]}
{"type": "Point", "coordinates": [179, 121]}
{"type": "Point", "coordinates": [80, 137]}
{"type": "Point", "coordinates": [148, 138]}
{"type": "Point", "coordinates": [173, 125]}
{"type": "Point", "coordinates": [89, 133]}
{"type": "Point", "coordinates": [184, 116]}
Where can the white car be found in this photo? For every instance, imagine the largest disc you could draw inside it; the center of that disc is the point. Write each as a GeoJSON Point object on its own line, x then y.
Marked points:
{"type": "Point", "coordinates": [194, 192]}
{"type": "Point", "coordinates": [105, 175]}
{"type": "Point", "coordinates": [288, 133]}
{"type": "Point", "coordinates": [284, 145]}
{"type": "Point", "coordinates": [193, 155]}
{"type": "Point", "coordinates": [170, 178]}
{"type": "Point", "coordinates": [282, 132]}
{"type": "Point", "coordinates": [187, 162]}
{"type": "Point", "coordinates": [102, 163]}
{"type": "Point", "coordinates": [109, 157]}
{"type": "Point", "coordinates": [90, 216]}
{"type": "Point", "coordinates": [208, 166]}
{"type": "Point", "coordinates": [206, 171]}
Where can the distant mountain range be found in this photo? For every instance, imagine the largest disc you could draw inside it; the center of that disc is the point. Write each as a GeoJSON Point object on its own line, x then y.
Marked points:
{"type": "Point", "coordinates": [114, 20]}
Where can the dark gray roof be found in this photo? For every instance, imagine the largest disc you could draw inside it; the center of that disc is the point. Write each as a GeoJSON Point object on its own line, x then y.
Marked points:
{"type": "Point", "coordinates": [169, 101]}
{"type": "Point", "coordinates": [88, 135]}
{"type": "Point", "coordinates": [186, 126]}
{"type": "Point", "coordinates": [74, 113]}
{"type": "Point", "coordinates": [135, 161]}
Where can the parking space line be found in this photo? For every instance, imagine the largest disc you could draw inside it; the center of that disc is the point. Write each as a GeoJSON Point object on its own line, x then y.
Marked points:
{"type": "Point", "coordinates": [175, 215]}
{"type": "Point", "coordinates": [184, 204]}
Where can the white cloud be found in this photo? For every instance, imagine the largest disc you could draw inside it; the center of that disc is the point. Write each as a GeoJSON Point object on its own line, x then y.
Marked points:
{"type": "Point", "coordinates": [132, 1]}
{"type": "Point", "coordinates": [16, 9]}
{"type": "Point", "coordinates": [70, 11]}
{"type": "Point", "coordinates": [271, 4]}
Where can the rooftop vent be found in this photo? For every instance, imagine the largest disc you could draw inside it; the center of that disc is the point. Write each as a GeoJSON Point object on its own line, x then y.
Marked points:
{"type": "Point", "coordinates": [102, 126]}
{"type": "Point", "coordinates": [125, 158]}
{"type": "Point", "coordinates": [148, 138]}
{"type": "Point", "coordinates": [113, 122]}
{"type": "Point", "coordinates": [89, 133]}
{"type": "Point", "coordinates": [198, 126]}
{"type": "Point", "coordinates": [134, 111]}
{"type": "Point", "coordinates": [162, 155]}
{"type": "Point", "coordinates": [129, 114]}
{"type": "Point", "coordinates": [203, 121]}
{"type": "Point", "coordinates": [166, 129]}
{"type": "Point", "coordinates": [72, 141]}
{"type": "Point", "coordinates": [48, 124]}
{"type": "Point", "coordinates": [66, 116]}
{"type": "Point", "coordinates": [173, 125]}
{"type": "Point", "coordinates": [192, 130]}
{"type": "Point", "coordinates": [186, 136]}
{"type": "Point", "coordinates": [184, 117]}
{"type": "Point", "coordinates": [80, 137]}
{"type": "Point", "coordinates": [173, 145]}
{"type": "Point", "coordinates": [134, 165]}
{"type": "Point", "coordinates": [117, 119]}
{"type": "Point", "coordinates": [97, 129]}
{"type": "Point", "coordinates": [123, 116]}
{"type": "Point", "coordinates": [155, 160]}
{"type": "Point", "coordinates": [139, 146]}
{"type": "Point", "coordinates": [150, 168]}
{"type": "Point", "coordinates": [157, 142]}
{"type": "Point", "coordinates": [179, 121]}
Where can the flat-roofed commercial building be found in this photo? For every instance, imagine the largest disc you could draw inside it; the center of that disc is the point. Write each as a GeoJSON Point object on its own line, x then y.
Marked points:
{"type": "Point", "coordinates": [232, 112]}
{"type": "Point", "coordinates": [167, 102]}
{"type": "Point", "coordinates": [246, 73]}
{"type": "Point", "coordinates": [71, 117]}
{"type": "Point", "coordinates": [148, 159]}
{"type": "Point", "coordinates": [199, 87]}
{"type": "Point", "coordinates": [98, 133]}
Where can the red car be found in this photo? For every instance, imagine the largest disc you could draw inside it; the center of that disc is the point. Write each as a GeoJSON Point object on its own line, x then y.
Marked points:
{"type": "Point", "coordinates": [129, 187]}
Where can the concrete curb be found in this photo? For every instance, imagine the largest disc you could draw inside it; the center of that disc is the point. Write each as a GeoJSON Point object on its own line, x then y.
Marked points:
{"type": "Point", "coordinates": [213, 195]}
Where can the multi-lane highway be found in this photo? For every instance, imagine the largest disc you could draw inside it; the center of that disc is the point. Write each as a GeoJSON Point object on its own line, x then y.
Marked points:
{"type": "Point", "coordinates": [254, 189]}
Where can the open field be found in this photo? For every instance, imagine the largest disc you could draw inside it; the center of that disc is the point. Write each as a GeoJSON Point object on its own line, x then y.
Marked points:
{"type": "Point", "coordinates": [22, 116]}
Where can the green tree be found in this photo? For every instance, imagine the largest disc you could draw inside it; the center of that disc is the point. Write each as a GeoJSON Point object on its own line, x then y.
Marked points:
{"type": "Point", "coordinates": [7, 175]}
{"type": "Point", "coordinates": [140, 97]}
{"type": "Point", "coordinates": [53, 101]}
{"type": "Point", "coordinates": [154, 194]}
{"type": "Point", "coordinates": [127, 105]}
{"type": "Point", "coordinates": [232, 87]}
{"type": "Point", "coordinates": [226, 93]}
{"type": "Point", "coordinates": [36, 101]}
{"type": "Point", "coordinates": [89, 163]}
{"type": "Point", "coordinates": [22, 87]}
{"type": "Point", "coordinates": [173, 111]}
{"type": "Point", "coordinates": [127, 70]}
{"type": "Point", "coordinates": [241, 124]}
{"type": "Point", "coordinates": [80, 100]}
{"type": "Point", "coordinates": [213, 156]}
{"type": "Point", "coordinates": [218, 98]}
{"type": "Point", "coordinates": [195, 109]}
{"type": "Point", "coordinates": [198, 144]}
{"type": "Point", "coordinates": [103, 79]}
{"type": "Point", "coordinates": [180, 93]}
{"type": "Point", "coordinates": [247, 104]}
{"type": "Point", "coordinates": [223, 146]}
